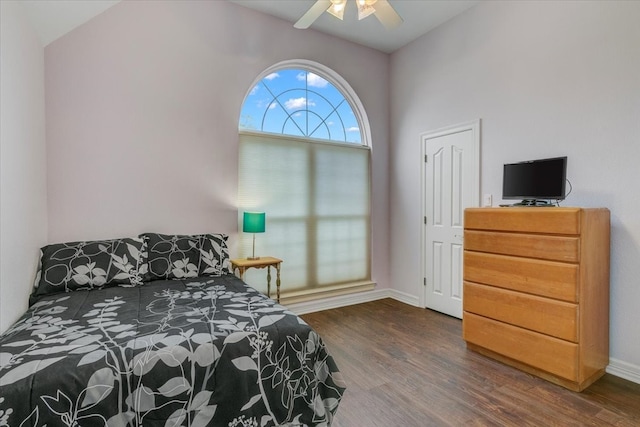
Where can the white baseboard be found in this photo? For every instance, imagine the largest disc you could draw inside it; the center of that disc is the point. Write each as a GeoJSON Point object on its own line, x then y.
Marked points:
{"type": "Point", "coordinates": [351, 299]}
{"type": "Point", "coordinates": [405, 298]}
{"type": "Point", "coordinates": [624, 370]}
{"type": "Point", "coordinates": [616, 367]}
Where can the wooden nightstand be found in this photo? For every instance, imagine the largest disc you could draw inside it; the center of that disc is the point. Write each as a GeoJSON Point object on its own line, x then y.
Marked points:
{"type": "Point", "coordinates": [243, 264]}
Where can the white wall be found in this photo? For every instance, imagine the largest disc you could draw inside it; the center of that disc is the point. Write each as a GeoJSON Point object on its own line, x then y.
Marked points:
{"type": "Point", "coordinates": [547, 79]}
{"type": "Point", "coordinates": [23, 201]}
{"type": "Point", "coordinates": [143, 104]}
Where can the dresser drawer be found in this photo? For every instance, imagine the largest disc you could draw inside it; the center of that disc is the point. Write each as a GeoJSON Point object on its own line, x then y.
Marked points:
{"type": "Point", "coordinates": [540, 351]}
{"type": "Point", "coordinates": [544, 315]}
{"type": "Point", "coordinates": [524, 219]}
{"type": "Point", "coordinates": [545, 278]}
{"type": "Point", "coordinates": [556, 248]}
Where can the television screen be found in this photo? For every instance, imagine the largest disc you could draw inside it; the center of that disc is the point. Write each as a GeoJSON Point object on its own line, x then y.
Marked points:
{"type": "Point", "coordinates": [535, 179]}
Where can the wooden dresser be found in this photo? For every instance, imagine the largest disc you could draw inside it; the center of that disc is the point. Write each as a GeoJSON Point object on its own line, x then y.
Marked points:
{"type": "Point", "coordinates": [536, 290]}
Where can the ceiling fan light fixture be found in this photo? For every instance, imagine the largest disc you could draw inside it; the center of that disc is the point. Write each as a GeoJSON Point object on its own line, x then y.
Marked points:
{"type": "Point", "coordinates": [337, 8]}
{"type": "Point", "coordinates": [365, 10]}
{"type": "Point", "coordinates": [385, 13]}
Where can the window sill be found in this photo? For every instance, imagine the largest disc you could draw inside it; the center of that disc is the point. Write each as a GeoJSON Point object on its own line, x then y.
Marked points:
{"type": "Point", "coordinates": [295, 297]}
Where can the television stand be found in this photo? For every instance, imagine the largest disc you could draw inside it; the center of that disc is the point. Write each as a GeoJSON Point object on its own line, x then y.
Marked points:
{"type": "Point", "coordinates": [532, 202]}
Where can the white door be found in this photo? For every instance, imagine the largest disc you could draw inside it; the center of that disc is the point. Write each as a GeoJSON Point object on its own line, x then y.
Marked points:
{"type": "Point", "coordinates": [451, 183]}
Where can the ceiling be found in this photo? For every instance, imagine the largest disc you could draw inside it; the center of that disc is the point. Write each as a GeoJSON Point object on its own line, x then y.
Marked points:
{"type": "Point", "coordinates": [420, 16]}
{"type": "Point", "coordinates": [54, 18]}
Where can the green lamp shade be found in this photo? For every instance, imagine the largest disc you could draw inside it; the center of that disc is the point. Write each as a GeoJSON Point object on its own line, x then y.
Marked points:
{"type": "Point", "coordinates": [253, 222]}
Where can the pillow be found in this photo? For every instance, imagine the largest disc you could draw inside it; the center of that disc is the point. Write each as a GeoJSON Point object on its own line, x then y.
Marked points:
{"type": "Point", "coordinates": [176, 256]}
{"type": "Point", "coordinates": [66, 267]}
{"type": "Point", "coordinates": [218, 255]}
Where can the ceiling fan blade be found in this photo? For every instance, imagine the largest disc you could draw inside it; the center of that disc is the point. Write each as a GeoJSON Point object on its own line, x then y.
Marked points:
{"type": "Point", "coordinates": [312, 14]}
{"type": "Point", "coordinates": [387, 15]}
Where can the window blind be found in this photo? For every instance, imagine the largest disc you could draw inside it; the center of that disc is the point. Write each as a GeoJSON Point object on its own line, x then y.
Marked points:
{"type": "Point", "coordinates": [316, 196]}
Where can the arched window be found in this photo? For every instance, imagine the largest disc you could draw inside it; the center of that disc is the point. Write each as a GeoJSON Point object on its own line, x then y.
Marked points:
{"type": "Point", "coordinates": [298, 102]}
{"type": "Point", "coordinates": [305, 161]}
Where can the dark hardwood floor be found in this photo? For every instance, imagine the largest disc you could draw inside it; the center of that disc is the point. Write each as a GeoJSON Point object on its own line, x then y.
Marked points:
{"type": "Point", "coordinates": [406, 366]}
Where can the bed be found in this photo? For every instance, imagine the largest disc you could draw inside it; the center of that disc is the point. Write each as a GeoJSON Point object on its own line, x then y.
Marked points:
{"type": "Point", "coordinates": [156, 331]}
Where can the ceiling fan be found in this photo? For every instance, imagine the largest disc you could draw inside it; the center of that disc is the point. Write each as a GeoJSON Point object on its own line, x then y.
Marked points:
{"type": "Point", "coordinates": [381, 9]}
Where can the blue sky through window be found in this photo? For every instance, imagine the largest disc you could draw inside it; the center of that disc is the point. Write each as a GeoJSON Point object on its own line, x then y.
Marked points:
{"type": "Point", "coordinates": [299, 103]}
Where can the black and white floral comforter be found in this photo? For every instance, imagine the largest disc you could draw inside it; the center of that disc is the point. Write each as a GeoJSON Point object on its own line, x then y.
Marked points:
{"type": "Point", "coordinates": [209, 351]}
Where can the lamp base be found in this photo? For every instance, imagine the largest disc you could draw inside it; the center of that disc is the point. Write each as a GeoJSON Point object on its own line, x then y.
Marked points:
{"type": "Point", "coordinates": [253, 258]}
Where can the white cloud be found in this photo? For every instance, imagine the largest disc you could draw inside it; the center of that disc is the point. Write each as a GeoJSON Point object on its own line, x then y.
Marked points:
{"type": "Point", "coordinates": [272, 76]}
{"type": "Point", "coordinates": [313, 80]}
{"type": "Point", "coordinates": [254, 90]}
{"type": "Point", "coordinates": [269, 104]}
{"type": "Point", "coordinates": [353, 129]}
{"type": "Point", "coordinates": [316, 80]}
{"type": "Point", "coordinates": [301, 102]}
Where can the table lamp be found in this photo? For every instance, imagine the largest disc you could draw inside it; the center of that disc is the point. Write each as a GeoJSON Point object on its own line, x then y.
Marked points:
{"type": "Point", "coordinates": [253, 222]}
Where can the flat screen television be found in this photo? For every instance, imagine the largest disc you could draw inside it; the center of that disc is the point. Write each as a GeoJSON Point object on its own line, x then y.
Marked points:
{"type": "Point", "coordinates": [535, 181]}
